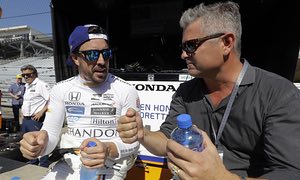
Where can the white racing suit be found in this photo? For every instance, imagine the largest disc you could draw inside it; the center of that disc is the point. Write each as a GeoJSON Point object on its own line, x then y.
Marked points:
{"type": "Point", "coordinates": [91, 111]}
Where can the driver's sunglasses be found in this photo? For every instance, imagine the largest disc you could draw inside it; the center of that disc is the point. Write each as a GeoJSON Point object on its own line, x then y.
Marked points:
{"type": "Point", "coordinates": [192, 45]}
{"type": "Point", "coordinates": [93, 55]}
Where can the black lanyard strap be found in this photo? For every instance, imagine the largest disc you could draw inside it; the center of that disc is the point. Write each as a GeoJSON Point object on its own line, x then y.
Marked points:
{"type": "Point", "coordinates": [229, 105]}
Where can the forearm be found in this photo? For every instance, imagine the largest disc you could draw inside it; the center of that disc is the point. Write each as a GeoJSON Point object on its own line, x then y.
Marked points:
{"type": "Point", "coordinates": [13, 96]}
{"type": "Point", "coordinates": [44, 109]}
{"type": "Point", "coordinates": [117, 149]}
{"type": "Point", "coordinates": [53, 124]}
{"type": "Point", "coordinates": [154, 142]}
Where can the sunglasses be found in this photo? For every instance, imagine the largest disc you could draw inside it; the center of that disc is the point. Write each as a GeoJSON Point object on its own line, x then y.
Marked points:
{"type": "Point", "coordinates": [29, 75]}
{"type": "Point", "coordinates": [93, 55]}
{"type": "Point", "coordinates": [192, 45]}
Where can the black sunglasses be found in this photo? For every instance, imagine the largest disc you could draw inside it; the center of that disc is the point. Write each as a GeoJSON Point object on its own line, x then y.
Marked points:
{"type": "Point", "coordinates": [27, 75]}
{"type": "Point", "coordinates": [93, 55]}
{"type": "Point", "coordinates": [192, 45]}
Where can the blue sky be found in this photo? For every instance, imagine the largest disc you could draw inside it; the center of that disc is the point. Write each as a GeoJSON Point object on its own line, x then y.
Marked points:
{"type": "Point", "coordinates": [34, 13]}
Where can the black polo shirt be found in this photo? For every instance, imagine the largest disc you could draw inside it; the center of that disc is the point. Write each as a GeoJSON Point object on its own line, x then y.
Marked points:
{"type": "Point", "coordinates": [262, 133]}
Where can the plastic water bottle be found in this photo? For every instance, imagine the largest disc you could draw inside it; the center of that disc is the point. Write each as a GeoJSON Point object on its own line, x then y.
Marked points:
{"type": "Point", "coordinates": [86, 173]}
{"type": "Point", "coordinates": [186, 135]}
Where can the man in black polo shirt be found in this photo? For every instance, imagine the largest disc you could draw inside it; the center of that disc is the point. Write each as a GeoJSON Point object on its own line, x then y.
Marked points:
{"type": "Point", "coordinates": [260, 136]}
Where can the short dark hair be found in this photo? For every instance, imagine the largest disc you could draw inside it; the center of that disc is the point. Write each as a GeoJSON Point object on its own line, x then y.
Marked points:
{"type": "Point", "coordinates": [96, 30]}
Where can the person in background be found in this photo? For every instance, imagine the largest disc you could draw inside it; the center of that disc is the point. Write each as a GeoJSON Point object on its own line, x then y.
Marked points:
{"type": "Point", "coordinates": [34, 106]}
{"type": "Point", "coordinates": [91, 103]}
{"type": "Point", "coordinates": [16, 91]}
{"type": "Point", "coordinates": [249, 117]}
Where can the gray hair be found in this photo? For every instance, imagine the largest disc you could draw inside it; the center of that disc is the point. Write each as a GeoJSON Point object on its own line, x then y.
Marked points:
{"type": "Point", "coordinates": [30, 67]}
{"type": "Point", "coordinates": [216, 18]}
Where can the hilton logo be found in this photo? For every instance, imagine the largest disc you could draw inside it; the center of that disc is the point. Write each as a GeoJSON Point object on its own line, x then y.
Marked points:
{"type": "Point", "coordinates": [74, 96]}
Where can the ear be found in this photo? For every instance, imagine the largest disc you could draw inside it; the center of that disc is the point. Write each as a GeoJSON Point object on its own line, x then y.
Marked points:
{"type": "Point", "coordinates": [75, 59]}
{"type": "Point", "coordinates": [228, 41]}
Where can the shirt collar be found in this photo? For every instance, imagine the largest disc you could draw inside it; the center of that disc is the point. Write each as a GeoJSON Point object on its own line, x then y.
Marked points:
{"type": "Point", "coordinates": [249, 76]}
{"type": "Point", "coordinates": [33, 82]}
{"type": "Point", "coordinates": [90, 83]}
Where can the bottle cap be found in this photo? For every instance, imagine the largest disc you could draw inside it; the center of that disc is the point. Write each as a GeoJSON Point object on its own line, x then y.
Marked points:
{"type": "Point", "coordinates": [91, 144]}
{"type": "Point", "coordinates": [15, 178]}
{"type": "Point", "coordinates": [184, 121]}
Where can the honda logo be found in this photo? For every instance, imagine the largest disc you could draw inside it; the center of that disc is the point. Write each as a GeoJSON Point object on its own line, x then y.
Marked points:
{"type": "Point", "coordinates": [74, 96]}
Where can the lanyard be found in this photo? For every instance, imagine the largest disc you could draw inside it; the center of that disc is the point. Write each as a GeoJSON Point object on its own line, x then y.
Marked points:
{"type": "Point", "coordinates": [229, 105]}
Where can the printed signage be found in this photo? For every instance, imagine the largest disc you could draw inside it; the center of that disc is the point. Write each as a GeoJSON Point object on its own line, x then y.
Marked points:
{"type": "Point", "coordinates": [155, 99]}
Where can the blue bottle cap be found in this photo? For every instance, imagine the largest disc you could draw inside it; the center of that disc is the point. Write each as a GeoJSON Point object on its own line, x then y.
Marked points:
{"type": "Point", "coordinates": [91, 144]}
{"type": "Point", "coordinates": [15, 178]}
{"type": "Point", "coordinates": [184, 121]}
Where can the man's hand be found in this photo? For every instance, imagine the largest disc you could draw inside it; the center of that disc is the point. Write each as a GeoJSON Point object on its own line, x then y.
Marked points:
{"type": "Point", "coordinates": [205, 165]}
{"type": "Point", "coordinates": [93, 157]}
{"type": "Point", "coordinates": [130, 127]}
{"type": "Point", "coordinates": [37, 116]}
{"type": "Point", "coordinates": [33, 144]}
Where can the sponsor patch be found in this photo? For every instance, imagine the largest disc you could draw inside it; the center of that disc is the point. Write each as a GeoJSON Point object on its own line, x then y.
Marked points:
{"type": "Point", "coordinates": [104, 122]}
{"type": "Point", "coordinates": [97, 95]}
{"type": "Point", "coordinates": [97, 133]}
{"type": "Point", "coordinates": [108, 97]}
{"type": "Point", "coordinates": [100, 104]}
{"type": "Point", "coordinates": [95, 99]}
{"type": "Point", "coordinates": [74, 103]}
{"type": "Point", "coordinates": [103, 111]}
{"type": "Point", "coordinates": [75, 109]}
{"type": "Point", "coordinates": [72, 118]}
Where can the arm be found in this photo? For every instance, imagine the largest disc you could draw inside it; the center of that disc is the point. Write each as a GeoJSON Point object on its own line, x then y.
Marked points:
{"type": "Point", "coordinates": [54, 118]}
{"type": "Point", "coordinates": [10, 90]}
{"type": "Point", "coordinates": [13, 96]}
{"type": "Point", "coordinates": [130, 128]}
{"type": "Point", "coordinates": [155, 142]}
{"type": "Point", "coordinates": [128, 98]}
{"type": "Point", "coordinates": [281, 134]}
